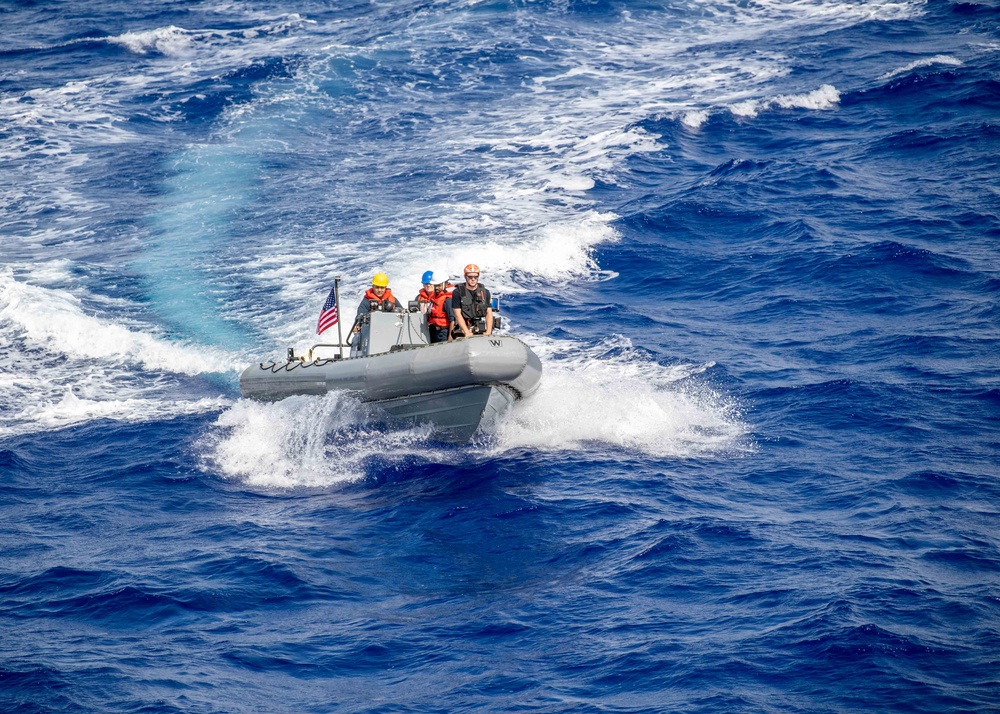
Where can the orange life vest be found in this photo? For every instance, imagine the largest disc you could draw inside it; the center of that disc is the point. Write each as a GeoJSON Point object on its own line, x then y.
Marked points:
{"type": "Point", "coordinates": [424, 296]}
{"type": "Point", "coordinates": [437, 315]}
{"type": "Point", "coordinates": [386, 303]}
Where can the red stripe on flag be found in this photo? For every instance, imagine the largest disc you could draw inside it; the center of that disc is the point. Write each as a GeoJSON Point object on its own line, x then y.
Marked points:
{"type": "Point", "coordinates": [328, 315]}
{"type": "Point", "coordinates": [327, 319]}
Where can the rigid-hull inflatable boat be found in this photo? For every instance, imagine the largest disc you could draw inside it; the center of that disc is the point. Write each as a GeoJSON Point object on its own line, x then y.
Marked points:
{"type": "Point", "coordinates": [457, 387]}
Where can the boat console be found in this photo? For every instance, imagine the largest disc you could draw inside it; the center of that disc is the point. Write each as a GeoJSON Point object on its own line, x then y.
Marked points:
{"type": "Point", "coordinates": [383, 332]}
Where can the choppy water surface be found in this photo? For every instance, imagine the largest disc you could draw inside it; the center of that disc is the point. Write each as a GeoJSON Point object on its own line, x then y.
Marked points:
{"type": "Point", "coordinates": [755, 246]}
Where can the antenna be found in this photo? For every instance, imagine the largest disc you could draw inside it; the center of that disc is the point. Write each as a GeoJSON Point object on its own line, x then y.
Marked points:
{"type": "Point", "coordinates": [340, 317]}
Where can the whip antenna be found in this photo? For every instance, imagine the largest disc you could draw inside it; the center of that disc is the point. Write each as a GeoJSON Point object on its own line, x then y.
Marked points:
{"type": "Point", "coordinates": [340, 333]}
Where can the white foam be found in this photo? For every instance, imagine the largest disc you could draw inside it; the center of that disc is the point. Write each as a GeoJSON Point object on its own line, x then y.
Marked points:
{"type": "Point", "coordinates": [772, 16]}
{"type": "Point", "coordinates": [695, 118]}
{"type": "Point", "coordinates": [303, 442]}
{"type": "Point", "coordinates": [826, 97]}
{"type": "Point", "coordinates": [70, 410]}
{"type": "Point", "coordinates": [924, 62]}
{"type": "Point", "coordinates": [559, 252]}
{"type": "Point", "coordinates": [174, 41]}
{"type": "Point", "coordinates": [65, 113]}
{"type": "Point", "coordinates": [610, 395]}
{"type": "Point", "coordinates": [66, 366]}
{"type": "Point", "coordinates": [631, 418]}
{"type": "Point", "coordinates": [54, 321]}
{"type": "Point", "coordinates": [748, 108]}
{"type": "Point", "coordinates": [45, 392]}
{"type": "Point", "coordinates": [570, 183]}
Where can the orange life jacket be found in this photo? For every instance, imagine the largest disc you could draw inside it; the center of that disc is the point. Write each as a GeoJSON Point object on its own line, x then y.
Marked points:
{"type": "Point", "coordinates": [386, 303]}
{"type": "Point", "coordinates": [437, 315]}
{"type": "Point", "coordinates": [424, 296]}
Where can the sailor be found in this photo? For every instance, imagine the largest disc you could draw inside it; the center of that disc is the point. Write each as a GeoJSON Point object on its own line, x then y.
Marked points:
{"type": "Point", "coordinates": [440, 316]}
{"type": "Point", "coordinates": [378, 298]}
{"type": "Point", "coordinates": [472, 306]}
{"type": "Point", "coordinates": [426, 292]}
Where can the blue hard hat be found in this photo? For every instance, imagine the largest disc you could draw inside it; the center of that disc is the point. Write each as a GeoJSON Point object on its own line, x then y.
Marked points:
{"type": "Point", "coordinates": [427, 277]}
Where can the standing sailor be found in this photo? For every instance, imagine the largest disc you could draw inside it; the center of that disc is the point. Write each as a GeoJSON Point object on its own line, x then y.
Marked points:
{"type": "Point", "coordinates": [472, 306]}
{"type": "Point", "coordinates": [440, 315]}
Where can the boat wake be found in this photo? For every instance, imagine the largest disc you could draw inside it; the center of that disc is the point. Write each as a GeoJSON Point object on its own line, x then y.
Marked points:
{"type": "Point", "coordinates": [613, 399]}
{"type": "Point", "coordinates": [307, 441]}
{"type": "Point", "coordinates": [63, 365]}
{"type": "Point", "coordinates": [605, 401]}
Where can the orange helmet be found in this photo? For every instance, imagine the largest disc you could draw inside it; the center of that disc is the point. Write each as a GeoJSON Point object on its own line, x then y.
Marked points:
{"type": "Point", "coordinates": [471, 268]}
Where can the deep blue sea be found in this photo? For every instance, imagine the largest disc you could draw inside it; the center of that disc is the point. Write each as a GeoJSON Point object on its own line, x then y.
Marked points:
{"type": "Point", "coordinates": [756, 244]}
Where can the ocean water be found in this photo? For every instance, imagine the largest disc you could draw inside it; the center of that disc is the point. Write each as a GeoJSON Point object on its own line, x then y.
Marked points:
{"type": "Point", "coordinates": [755, 245]}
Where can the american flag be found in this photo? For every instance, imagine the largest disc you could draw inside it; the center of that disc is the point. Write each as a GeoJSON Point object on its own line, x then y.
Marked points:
{"type": "Point", "coordinates": [328, 315]}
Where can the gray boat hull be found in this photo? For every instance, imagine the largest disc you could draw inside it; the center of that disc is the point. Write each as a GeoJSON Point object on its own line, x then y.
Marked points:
{"type": "Point", "coordinates": [454, 386]}
{"type": "Point", "coordinates": [456, 414]}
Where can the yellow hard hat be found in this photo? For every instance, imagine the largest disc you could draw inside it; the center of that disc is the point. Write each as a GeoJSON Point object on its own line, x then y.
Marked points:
{"type": "Point", "coordinates": [381, 280]}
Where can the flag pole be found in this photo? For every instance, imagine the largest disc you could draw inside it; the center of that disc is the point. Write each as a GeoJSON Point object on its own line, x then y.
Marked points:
{"type": "Point", "coordinates": [340, 318]}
